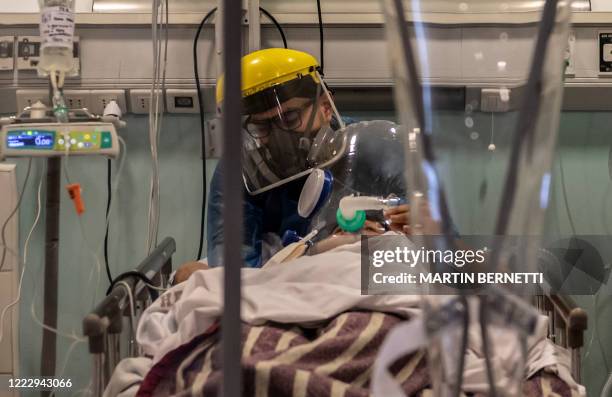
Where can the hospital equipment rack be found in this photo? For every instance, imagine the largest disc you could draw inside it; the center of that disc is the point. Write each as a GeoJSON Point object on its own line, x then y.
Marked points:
{"type": "Point", "coordinates": [104, 325]}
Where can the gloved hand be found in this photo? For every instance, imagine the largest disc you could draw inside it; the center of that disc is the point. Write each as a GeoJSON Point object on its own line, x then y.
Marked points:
{"type": "Point", "coordinates": [398, 219]}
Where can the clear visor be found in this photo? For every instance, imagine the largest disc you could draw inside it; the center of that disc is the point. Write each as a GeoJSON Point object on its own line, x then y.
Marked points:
{"type": "Point", "coordinates": [288, 130]}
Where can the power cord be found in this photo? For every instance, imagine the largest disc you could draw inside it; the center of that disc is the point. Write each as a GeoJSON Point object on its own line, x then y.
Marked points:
{"type": "Point", "coordinates": [321, 37]}
{"type": "Point", "coordinates": [196, 74]}
{"type": "Point", "coordinates": [108, 204]}
{"type": "Point", "coordinates": [278, 26]}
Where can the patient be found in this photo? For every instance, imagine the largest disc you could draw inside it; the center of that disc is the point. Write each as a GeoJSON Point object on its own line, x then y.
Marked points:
{"type": "Point", "coordinates": [187, 269]}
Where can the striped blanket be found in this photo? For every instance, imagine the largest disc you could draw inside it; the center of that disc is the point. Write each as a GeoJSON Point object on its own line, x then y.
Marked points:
{"type": "Point", "coordinates": [283, 360]}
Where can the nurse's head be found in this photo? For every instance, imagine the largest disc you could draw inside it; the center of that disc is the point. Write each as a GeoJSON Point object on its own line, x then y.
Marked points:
{"type": "Point", "coordinates": [285, 106]}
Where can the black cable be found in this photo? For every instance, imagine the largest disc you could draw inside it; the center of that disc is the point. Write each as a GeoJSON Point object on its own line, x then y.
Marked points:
{"type": "Point", "coordinates": [109, 193]}
{"type": "Point", "coordinates": [275, 22]}
{"type": "Point", "coordinates": [321, 37]}
{"type": "Point", "coordinates": [133, 273]}
{"type": "Point", "coordinates": [202, 128]}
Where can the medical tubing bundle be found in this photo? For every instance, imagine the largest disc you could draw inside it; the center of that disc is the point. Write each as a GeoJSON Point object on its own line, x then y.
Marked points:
{"type": "Point", "coordinates": [13, 212]}
{"type": "Point", "coordinates": [24, 259]}
{"type": "Point", "coordinates": [420, 157]}
{"type": "Point", "coordinates": [158, 23]}
{"type": "Point", "coordinates": [94, 253]}
{"type": "Point", "coordinates": [526, 125]}
{"type": "Point", "coordinates": [420, 101]}
{"type": "Point", "coordinates": [115, 186]}
{"type": "Point", "coordinates": [76, 339]}
{"type": "Point", "coordinates": [524, 143]}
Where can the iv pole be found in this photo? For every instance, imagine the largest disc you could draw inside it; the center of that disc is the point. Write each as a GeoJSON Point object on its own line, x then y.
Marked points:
{"type": "Point", "coordinates": [51, 275]}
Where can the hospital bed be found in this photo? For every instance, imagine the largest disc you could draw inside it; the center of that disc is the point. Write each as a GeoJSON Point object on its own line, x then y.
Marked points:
{"type": "Point", "coordinates": [107, 327]}
{"type": "Point", "coordinates": [111, 337]}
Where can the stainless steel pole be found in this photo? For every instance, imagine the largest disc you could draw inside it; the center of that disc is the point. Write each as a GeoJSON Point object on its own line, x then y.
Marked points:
{"type": "Point", "coordinates": [233, 199]}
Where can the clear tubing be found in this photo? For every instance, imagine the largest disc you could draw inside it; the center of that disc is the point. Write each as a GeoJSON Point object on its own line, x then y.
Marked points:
{"type": "Point", "coordinates": [25, 255]}
{"type": "Point", "coordinates": [94, 253]}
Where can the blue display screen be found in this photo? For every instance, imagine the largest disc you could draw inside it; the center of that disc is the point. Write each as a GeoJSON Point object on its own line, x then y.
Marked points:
{"type": "Point", "coordinates": [30, 139]}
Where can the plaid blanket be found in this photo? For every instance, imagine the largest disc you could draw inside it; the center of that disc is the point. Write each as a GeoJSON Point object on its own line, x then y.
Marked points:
{"type": "Point", "coordinates": [334, 359]}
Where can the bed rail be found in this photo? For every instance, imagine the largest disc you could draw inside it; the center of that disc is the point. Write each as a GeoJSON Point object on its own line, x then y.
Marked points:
{"type": "Point", "coordinates": [567, 323]}
{"type": "Point", "coordinates": [103, 326]}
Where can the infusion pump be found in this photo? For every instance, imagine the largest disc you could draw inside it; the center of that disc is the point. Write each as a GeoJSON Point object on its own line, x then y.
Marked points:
{"type": "Point", "coordinates": [55, 139]}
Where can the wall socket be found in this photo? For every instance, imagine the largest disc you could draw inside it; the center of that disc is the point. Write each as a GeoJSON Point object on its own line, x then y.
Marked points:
{"type": "Point", "coordinates": [27, 98]}
{"type": "Point", "coordinates": [7, 45]}
{"type": "Point", "coordinates": [77, 99]}
{"type": "Point", "coordinates": [182, 101]}
{"type": "Point", "coordinates": [140, 101]}
{"type": "Point", "coordinates": [98, 100]}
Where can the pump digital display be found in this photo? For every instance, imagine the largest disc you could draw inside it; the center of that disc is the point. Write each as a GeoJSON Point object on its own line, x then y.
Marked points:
{"type": "Point", "coordinates": [30, 139]}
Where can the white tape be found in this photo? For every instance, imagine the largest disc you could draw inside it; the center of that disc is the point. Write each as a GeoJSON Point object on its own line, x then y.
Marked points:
{"type": "Point", "coordinates": [57, 27]}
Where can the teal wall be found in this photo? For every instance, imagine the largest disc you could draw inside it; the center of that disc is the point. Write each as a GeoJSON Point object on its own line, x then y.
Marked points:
{"type": "Point", "coordinates": [465, 163]}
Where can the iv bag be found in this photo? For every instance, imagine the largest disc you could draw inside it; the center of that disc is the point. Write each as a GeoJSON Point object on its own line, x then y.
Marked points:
{"type": "Point", "coordinates": [57, 33]}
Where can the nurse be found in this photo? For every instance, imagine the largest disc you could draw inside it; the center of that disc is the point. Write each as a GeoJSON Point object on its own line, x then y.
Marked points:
{"type": "Point", "coordinates": [288, 119]}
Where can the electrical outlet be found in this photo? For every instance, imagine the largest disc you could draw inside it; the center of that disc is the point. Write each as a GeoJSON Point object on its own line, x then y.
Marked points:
{"type": "Point", "coordinates": [605, 53]}
{"type": "Point", "coordinates": [28, 52]}
{"type": "Point", "coordinates": [27, 98]}
{"type": "Point", "coordinates": [100, 98]}
{"type": "Point", "coordinates": [77, 99]}
{"type": "Point", "coordinates": [140, 101]}
{"type": "Point", "coordinates": [182, 101]}
{"type": "Point", "coordinates": [7, 52]}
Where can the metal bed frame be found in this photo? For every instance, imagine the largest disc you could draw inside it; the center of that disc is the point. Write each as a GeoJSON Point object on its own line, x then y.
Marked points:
{"type": "Point", "coordinates": [104, 325]}
{"type": "Point", "coordinates": [567, 323]}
